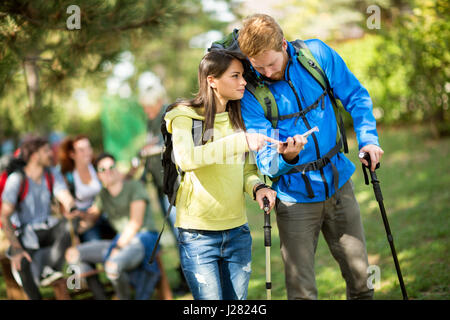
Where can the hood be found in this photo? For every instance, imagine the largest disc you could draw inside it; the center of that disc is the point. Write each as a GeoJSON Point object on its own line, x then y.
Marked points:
{"type": "Point", "coordinates": [181, 110]}
{"type": "Point", "coordinates": [193, 113]}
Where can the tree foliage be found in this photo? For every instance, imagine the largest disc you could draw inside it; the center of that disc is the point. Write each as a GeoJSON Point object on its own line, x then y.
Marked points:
{"type": "Point", "coordinates": [404, 64]}
{"type": "Point", "coordinates": [40, 56]}
{"type": "Point", "coordinates": [416, 48]}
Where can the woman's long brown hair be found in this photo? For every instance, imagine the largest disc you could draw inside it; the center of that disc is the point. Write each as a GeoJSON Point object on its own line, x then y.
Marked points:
{"type": "Point", "coordinates": [66, 147]}
{"type": "Point", "coordinates": [214, 63]}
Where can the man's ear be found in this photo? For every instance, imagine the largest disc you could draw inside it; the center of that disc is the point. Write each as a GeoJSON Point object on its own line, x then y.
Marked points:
{"type": "Point", "coordinates": [284, 44]}
{"type": "Point", "coordinates": [211, 81]}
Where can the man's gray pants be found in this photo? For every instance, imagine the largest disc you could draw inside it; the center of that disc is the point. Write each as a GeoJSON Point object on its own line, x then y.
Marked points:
{"type": "Point", "coordinates": [299, 225]}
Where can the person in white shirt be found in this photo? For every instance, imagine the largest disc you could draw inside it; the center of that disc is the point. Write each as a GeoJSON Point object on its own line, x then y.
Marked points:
{"type": "Point", "coordinates": [75, 158]}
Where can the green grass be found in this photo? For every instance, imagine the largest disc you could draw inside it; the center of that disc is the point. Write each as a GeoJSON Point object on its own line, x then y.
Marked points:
{"type": "Point", "coordinates": [415, 182]}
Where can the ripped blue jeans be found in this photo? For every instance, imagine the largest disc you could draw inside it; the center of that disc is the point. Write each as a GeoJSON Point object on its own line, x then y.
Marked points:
{"type": "Point", "coordinates": [216, 264]}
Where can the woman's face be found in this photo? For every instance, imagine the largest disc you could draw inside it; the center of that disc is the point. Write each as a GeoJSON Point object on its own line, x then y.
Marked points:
{"type": "Point", "coordinates": [231, 85]}
{"type": "Point", "coordinates": [82, 153]}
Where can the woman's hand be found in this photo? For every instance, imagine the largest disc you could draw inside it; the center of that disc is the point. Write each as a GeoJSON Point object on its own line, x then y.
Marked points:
{"type": "Point", "coordinates": [266, 192]}
{"type": "Point", "coordinates": [257, 141]}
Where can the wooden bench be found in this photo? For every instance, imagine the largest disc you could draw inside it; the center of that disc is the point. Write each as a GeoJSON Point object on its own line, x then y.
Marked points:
{"type": "Point", "coordinates": [13, 290]}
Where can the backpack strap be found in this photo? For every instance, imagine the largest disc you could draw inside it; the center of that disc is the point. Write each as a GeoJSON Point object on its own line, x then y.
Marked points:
{"type": "Point", "coordinates": [197, 131]}
{"type": "Point", "coordinates": [268, 103]}
{"type": "Point", "coordinates": [317, 165]}
{"type": "Point", "coordinates": [307, 60]}
{"type": "Point", "coordinates": [304, 111]}
{"type": "Point", "coordinates": [70, 182]}
{"type": "Point", "coordinates": [24, 186]}
{"type": "Point", "coordinates": [50, 181]}
{"type": "Point", "coordinates": [3, 178]}
{"type": "Point", "coordinates": [171, 204]}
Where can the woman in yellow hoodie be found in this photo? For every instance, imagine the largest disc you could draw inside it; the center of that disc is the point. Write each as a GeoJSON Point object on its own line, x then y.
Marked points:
{"type": "Point", "coordinates": [214, 238]}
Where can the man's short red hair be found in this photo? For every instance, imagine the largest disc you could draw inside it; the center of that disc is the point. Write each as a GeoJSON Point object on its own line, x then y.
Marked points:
{"type": "Point", "coordinates": [260, 32]}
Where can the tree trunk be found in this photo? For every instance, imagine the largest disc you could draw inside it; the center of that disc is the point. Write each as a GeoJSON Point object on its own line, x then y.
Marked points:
{"type": "Point", "coordinates": [36, 113]}
{"type": "Point", "coordinates": [32, 80]}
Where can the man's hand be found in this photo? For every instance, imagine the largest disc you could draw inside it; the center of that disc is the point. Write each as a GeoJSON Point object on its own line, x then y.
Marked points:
{"type": "Point", "coordinates": [266, 192]}
{"type": "Point", "coordinates": [375, 153]}
{"type": "Point", "coordinates": [17, 258]}
{"type": "Point", "coordinates": [292, 147]}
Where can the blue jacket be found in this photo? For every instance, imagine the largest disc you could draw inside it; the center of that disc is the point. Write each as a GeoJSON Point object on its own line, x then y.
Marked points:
{"type": "Point", "coordinates": [356, 100]}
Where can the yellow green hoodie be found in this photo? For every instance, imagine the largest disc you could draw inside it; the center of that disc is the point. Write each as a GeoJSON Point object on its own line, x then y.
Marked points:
{"type": "Point", "coordinates": [211, 195]}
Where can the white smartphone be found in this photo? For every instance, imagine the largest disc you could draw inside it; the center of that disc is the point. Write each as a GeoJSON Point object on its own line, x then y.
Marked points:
{"type": "Point", "coordinates": [309, 132]}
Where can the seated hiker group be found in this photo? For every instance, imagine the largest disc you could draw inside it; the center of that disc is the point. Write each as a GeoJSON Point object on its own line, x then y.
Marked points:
{"type": "Point", "coordinates": [257, 95]}
{"type": "Point", "coordinates": [106, 220]}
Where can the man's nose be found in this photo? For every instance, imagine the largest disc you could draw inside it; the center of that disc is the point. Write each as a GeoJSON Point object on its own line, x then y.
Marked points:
{"type": "Point", "coordinates": [268, 72]}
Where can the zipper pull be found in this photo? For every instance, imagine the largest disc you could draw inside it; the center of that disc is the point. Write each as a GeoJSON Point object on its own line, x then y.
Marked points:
{"type": "Point", "coordinates": [290, 83]}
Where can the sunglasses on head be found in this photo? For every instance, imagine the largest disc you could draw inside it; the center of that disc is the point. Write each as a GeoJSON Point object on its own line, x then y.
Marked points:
{"type": "Point", "coordinates": [106, 169]}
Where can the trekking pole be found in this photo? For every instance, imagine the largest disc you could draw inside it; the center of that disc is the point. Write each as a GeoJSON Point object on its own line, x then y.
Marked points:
{"type": "Point", "coordinates": [379, 198]}
{"type": "Point", "coordinates": [267, 244]}
{"type": "Point", "coordinates": [72, 221]}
